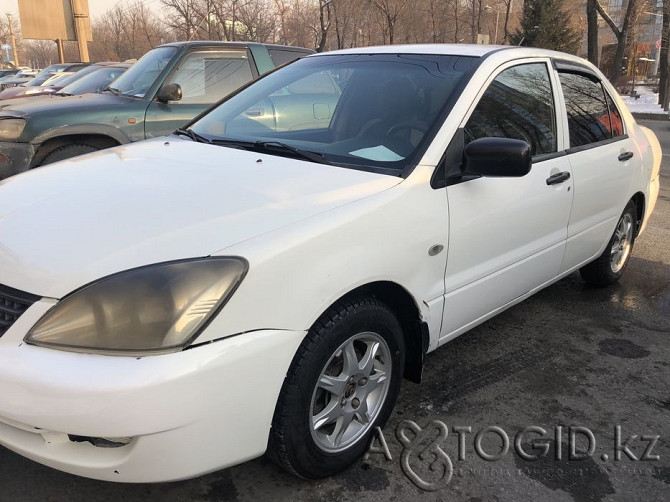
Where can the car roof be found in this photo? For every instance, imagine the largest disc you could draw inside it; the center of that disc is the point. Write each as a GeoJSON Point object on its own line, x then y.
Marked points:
{"type": "Point", "coordinates": [477, 50]}
{"type": "Point", "coordinates": [472, 50]}
{"type": "Point", "coordinates": [210, 43]}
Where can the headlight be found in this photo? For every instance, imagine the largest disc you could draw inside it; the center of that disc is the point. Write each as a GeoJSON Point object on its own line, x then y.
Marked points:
{"type": "Point", "coordinates": [11, 128]}
{"type": "Point", "coordinates": [149, 310]}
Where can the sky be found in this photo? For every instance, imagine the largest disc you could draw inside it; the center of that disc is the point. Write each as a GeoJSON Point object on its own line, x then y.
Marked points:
{"type": "Point", "coordinates": [96, 7]}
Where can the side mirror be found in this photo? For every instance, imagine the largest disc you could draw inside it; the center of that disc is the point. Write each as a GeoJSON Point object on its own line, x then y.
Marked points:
{"type": "Point", "coordinates": [169, 92]}
{"type": "Point", "coordinates": [497, 157]}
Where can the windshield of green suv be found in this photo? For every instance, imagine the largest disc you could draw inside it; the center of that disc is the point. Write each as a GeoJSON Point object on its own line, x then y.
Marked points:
{"type": "Point", "coordinates": [366, 111]}
{"type": "Point", "coordinates": [139, 78]}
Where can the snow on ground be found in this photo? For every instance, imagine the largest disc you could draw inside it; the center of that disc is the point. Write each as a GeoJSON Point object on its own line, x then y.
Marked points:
{"type": "Point", "coordinates": [646, 103]}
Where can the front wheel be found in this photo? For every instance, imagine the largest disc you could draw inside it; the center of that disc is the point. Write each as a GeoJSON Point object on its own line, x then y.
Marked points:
{"type": "Point", "coordinates": [609, 267]}
{"type": "Point", "coordinates": [342, 384]}
{"type": "Point", "coordinates": [67, 152]}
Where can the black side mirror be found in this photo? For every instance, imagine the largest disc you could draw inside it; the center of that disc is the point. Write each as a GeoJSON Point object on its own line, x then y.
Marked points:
{"type": "Point", "coordinates": [497, 157]}
{"type": "Point", "coordinates": [169, 92]}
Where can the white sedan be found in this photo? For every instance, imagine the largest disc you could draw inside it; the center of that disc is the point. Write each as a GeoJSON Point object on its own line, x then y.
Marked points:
{"type": "Point", "coordinates": [263, 279]}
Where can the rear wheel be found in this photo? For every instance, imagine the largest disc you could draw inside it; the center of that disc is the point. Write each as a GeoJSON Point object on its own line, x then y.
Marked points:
{"type": "Point", "coordinates": [67, 152]}
{"type": "Point", "coordinates": [342, 383]}
{"type": "Point", "coordinates": [609, 267]}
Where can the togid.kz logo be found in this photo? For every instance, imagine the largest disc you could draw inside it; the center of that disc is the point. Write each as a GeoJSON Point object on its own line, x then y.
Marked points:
{"type": "Point", "coordinates": [426, 463]}
{"type": "Point", "coordinates": [426, 445]}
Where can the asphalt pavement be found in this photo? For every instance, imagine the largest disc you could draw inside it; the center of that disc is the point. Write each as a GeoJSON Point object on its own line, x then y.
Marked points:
{"type": "Point", "coordinates": [572, 368]}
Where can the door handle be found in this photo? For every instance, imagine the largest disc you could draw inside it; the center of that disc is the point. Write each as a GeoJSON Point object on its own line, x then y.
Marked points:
{"type": "Point", "coordinates": [625, 156]}
{"type": "Point", "coordinates": [557, 178]}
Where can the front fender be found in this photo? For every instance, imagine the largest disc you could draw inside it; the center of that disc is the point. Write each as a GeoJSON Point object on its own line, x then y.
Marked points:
{"type": "Point", "coordinates": [298, 271]}
{"type": "Point", "coordinates": [82, 129]}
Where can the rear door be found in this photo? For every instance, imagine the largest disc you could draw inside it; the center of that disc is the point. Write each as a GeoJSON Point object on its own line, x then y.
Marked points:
{"type": "Point", "coordinates": [507, 235]}
{"type": "Point", "coordinates": [602, 158]}
{"type": "Point", "coordinates": [205, 77]}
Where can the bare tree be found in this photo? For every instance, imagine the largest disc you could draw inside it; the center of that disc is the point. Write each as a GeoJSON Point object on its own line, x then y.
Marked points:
{"type": "Point", "coordinates": [390, 11]}
{"type": "Point", "coordinates": [622, 35]}
{"type": "Point", "coordinates": [40, 53]}
{"type": "Point", "coordinates": [324, 23]}
{"type": "Point", "coordinates": [592, 31]}
{"type": "Point", "coordinates": [255, 24]}
{"type": "Point", "coordinates": [183, 17]}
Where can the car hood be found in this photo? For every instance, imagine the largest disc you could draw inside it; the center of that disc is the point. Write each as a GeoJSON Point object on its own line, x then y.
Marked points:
{"type": "Point", "coordinates": [67, 224]}
{"type": "Point", "coordinates": [13, 92]}
{"type": "Point", "coordinates": [62, 104]}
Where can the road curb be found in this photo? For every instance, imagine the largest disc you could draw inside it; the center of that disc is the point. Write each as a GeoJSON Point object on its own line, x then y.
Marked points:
{"type": "Point", "coordinates": [650, 116]}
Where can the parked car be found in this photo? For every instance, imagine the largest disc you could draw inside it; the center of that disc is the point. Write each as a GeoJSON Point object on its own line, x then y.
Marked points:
{"type": "Point", "coordinates": [11, 89]}
{"type": "Point", "coordinates": [38, 78]}
{"type": "Point", "coordinates": [187, 303]}
{"type": "Point", "coordinates": [96, 81]}
{"type": "Point", "coordinates": [21, 77]}
{"type": "Point", "coordinates": [63, 79]}
{"type": "Point", "coordinates": [8, 71]}
{"type": "Point", "coordinates": [165, 89]}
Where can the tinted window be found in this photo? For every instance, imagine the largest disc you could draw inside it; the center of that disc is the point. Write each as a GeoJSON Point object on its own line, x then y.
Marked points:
{"type": "Point", "coordinates": [280, 56]}
{"type": "Point", "coordinates": [206, 77]}
{"type": "Point", "coordinates": [615, 117]}
{"type": "Point", "coordinates": [518, 104]}
{"type": "Point", "coordinates": [588, 115]}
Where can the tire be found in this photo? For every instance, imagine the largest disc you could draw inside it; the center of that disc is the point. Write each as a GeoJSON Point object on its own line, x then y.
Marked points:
{"type": "Point", "coordinates": [317, 448]}
{"type": "Point", "coordinates": [610, 266]}
{"type": "Point", "coordinates": [67, 152]}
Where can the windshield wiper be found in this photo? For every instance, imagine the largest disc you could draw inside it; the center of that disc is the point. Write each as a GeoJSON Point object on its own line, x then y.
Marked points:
{"type": "Point", "coordinates": [113, 90]}
{"type": "Point", "coordinates": [269, 146]}
{"type": "Point", "coordinates": [187, 131]}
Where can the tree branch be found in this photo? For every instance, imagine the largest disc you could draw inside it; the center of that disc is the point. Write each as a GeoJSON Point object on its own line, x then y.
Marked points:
{"type": "Point", "coordinates": [606, 17]}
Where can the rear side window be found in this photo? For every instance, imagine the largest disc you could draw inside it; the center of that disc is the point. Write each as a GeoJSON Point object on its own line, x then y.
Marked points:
{"type": "Point", "coordinates": [280, 56]}
{"type": "Point", "coordinates": [518, 104]}
{"type": "Point", "coordinates": [615, 117]}
{"type": "Point", "coordinates": [586, 106]}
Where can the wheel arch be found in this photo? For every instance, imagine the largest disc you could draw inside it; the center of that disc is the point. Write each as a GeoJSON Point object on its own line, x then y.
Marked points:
{"type": "Point", "coordinates": [639, 201]}
{"type": "Point", "coordinates": [415, 330]}
{"type": "Point", "coordinates": [93, 135]}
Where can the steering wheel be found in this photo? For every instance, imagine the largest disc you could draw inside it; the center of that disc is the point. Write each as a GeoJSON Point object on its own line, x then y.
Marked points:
{"type": "Point", "coordinates": [409, 125]}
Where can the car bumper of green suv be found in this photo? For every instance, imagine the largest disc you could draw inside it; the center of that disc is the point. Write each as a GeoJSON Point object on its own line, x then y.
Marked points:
{"type": "Point", "coordinates": [15, 158]}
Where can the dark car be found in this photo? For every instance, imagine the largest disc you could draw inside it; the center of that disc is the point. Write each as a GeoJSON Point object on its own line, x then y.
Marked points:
{"type": "Point", "coordinates": [51, 86]}
{"type": "Point", "coordinates": [95, 81]}
{"type": "Point", "coordinates": [8, 71]}
{"type": "Point", "coordinates": [42, 76]}
{"type": "Point", "coordinates": [164, 90]}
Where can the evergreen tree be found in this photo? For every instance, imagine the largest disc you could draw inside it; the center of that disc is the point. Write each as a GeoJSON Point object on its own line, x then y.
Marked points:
{"type": "Point", "coordinates": [546, 24]}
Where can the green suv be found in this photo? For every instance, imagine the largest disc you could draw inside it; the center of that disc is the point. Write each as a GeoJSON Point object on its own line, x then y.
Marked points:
{"type": "Point", "coordinates": [164, 90]}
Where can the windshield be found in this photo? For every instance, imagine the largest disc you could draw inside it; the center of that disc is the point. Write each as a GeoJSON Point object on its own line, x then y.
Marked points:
{"type": "Point", "coordinates": [45, 74]}
{"type": "Point", "coordinates": [355, 110]}
{"type": "Point", "coordinates": [67, 79]}
{"type": "Point", "coordinates": [38, 80]}
{"type": "Point", "coordinates": [138, 79]}
{"type": "Point", "coordinates": [95, 81]}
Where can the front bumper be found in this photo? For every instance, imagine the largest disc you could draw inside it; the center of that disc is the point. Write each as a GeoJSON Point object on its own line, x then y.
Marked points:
{"type": "Point", "coordinates": [15, 158]}
{"type": "Point", "coordinates": [184, 414]}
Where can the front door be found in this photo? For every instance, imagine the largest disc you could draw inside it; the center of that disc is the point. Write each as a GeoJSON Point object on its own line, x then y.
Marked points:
{"type": "Point", "coordinates": [205, 77]}
{"type": "Point", "coordinates": [507, 235]}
